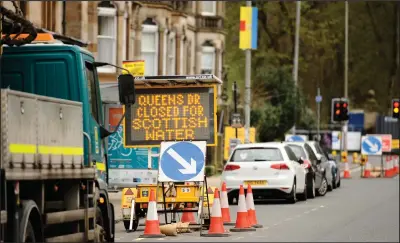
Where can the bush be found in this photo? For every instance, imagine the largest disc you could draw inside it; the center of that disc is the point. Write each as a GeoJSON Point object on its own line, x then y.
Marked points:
{"type": "Point", "coordinates": [210, 170]}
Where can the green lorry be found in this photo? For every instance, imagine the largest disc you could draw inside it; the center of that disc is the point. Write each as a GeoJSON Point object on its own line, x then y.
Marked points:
{"type": "Point", "coordinates": [53, 158]}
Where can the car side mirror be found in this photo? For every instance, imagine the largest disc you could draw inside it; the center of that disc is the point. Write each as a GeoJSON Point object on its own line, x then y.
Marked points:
{"type": "Point", "coordinates": [301, 161]}
{"type": "Point", "coordinates": [126, 89]}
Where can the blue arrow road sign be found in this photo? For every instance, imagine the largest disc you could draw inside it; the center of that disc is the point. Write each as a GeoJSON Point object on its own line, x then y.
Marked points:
{"type": "Point", "coordinates": [295, 138]}
{"type": "Point", "coordinates": [182, 161]}
{"type": "Point", "coordinates": [318, 98]}
{"type": "Point", "coordinates": [371, 145]}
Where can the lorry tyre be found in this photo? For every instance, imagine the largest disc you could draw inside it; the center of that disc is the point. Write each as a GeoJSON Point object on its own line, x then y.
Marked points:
{"type": "Point", "coordinates": [30, 233]}
{"type": "Point", "coordinates": [135, 225]}
{"type": "Point", "coordinates": [101, 233]}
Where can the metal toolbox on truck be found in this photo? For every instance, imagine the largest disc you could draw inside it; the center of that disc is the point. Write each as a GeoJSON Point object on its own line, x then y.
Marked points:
{"type": "Point", "coordinates": [41, 137]}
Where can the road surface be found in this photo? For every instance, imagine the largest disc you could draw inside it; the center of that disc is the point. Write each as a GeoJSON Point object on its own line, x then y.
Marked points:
{"type": "Point", "coordinates": [360, 210]}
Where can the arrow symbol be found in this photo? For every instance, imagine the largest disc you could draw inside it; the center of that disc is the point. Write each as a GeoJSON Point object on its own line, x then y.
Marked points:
{"type": "Point", "coordinates": [374, 147]}
{"type": "Point", "coordinates": [189, 168]}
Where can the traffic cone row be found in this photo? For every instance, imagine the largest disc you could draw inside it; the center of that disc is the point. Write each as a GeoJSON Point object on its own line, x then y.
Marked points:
{"type": "Point", "coordinates": [392, 166]}
{"type": "Point", "coordinates": [246, 219]}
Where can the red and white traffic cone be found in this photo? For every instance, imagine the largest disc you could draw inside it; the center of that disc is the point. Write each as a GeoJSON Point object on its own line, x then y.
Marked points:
{"type": "Point", "coordinates": [396, 164]}
{"type": "Point", "coordinates": [152, 225]}
{"type": "Point", "coordinates": [187, 216]}
{"type": "Point", "coordinates": [367, 170]}
{"type": "Point", "coordinates": [216, 224]}
{"type": "Point", "coordinates": [251, 209]}
{"type": "Point", "coordinates": [346, 173]}
{"type": "Point", "coordinates": [388, 168]}
{"type": "Point", "coordinates": [226, 214]}
{"type": "Point", "coordinates": [242, 221]}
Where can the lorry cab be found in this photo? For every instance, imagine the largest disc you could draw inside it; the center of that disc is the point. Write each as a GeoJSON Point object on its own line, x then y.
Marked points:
{"type": "Point", "coordinates": [61, 71]}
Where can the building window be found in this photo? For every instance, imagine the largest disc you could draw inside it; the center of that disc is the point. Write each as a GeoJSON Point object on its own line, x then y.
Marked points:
{"type": "Point", "coordinates": [209, 8]}
{"type": "Point", "coordinates": [171, 54]}
{"type": "Point", "coordinates": [183, 57]}
{"type": "Point", "coordinates": [207, 60]}
{"type": "Point", "coordinates": [107, 37]}
{"type": "Point", "coordinates": [48, 15]}
{"type": "Point", "coordinates": [149, 48]}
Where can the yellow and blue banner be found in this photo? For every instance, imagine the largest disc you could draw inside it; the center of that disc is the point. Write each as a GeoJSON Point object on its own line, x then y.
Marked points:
{"type": "Point", "coordinates": [248, 28]}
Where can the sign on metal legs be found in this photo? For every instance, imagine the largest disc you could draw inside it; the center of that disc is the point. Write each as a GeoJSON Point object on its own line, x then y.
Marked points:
{"type": "Point", "coordinates": [182, 161]}
{"type": "Point", "coordinates": [371, 145]}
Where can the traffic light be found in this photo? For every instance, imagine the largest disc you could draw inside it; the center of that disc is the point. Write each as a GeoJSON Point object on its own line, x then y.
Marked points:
{"type": "Point", "coordinates": [396, 108]}
{"type": "Point", "coordinates": [344, 114]}
{"type": "Point", "coordinates": [336, 111]}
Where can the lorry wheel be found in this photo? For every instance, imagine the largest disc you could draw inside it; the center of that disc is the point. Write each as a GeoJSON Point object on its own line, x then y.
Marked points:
{"type": "Point", "coordinates": [135, 224]}
{"type": "Point", "coordinates": [100, 232]}
{"type": "Point", "coordinates": [30, 233]}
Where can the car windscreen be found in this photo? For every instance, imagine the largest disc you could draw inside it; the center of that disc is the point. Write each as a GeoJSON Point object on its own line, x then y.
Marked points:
{"type": "Point", "coordinates": [298, 151]}
{"type": "Point", "coordinates": [256, 154]}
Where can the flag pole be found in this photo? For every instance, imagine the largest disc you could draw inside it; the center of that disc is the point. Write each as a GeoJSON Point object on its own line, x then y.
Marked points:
{"type": "Point", "coordinates": [247, 93]}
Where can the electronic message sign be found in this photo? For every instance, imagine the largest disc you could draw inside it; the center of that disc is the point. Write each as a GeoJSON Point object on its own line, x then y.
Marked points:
{"type": "Point", "coordinates": [171, 114]}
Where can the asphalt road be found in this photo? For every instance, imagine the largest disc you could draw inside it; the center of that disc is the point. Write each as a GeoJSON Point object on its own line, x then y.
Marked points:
{"type": "Point", "coordinates": [360, 210]}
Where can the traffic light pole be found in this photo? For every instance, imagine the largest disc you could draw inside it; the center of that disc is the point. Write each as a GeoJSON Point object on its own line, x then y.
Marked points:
{"type": "Point", "coordinates": [346, 71]}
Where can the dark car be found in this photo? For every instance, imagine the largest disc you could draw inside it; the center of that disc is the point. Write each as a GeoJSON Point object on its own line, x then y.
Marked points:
{"type": "Point", "coordinates": [334, 164]}
{"type": "Point", "coordinates": [317, 182]}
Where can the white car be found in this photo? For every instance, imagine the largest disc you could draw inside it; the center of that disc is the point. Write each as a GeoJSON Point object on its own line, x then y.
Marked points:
{"type": "Point", "coordinates": [270, 168]}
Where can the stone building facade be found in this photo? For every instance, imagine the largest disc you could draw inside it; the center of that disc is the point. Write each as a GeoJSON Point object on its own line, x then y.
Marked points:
{"type": "Point", "coordinates": [173, 37]}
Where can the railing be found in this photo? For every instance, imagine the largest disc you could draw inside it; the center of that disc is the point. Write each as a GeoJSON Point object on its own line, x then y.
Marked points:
{"type": "Point", "coordinates": [209, 22]}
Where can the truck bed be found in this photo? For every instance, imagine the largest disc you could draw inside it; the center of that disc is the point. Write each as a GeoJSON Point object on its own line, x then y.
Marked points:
{"type": "Point", "coordinates": [41, 138]}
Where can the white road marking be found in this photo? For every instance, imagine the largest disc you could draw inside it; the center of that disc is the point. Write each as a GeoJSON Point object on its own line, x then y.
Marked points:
{"type": "Point", "coordinates": [288, 219]}
{"type": "Point", "coordinates": [138, 239]}
{"type": "Point", "coordinates": [238, 238]}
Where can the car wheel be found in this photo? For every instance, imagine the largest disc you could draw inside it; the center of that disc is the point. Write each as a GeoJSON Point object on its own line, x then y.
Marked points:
{"type": "Point", "coordinates": [334, 185]}
{"type": "Point", "coordinates": [303, 196]}
{"type": "Point", "coordinates": [323, 187]}
{"type": "Point", "coordinates": [338, 184]}
{"type": "Point", "coordinates": [292, 198]}
{"type": "Point", "coordinates": [311, 189]}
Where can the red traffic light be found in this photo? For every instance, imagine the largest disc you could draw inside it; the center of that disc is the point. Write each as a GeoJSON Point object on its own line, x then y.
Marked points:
{"type": "Point", "coordinates": [396, 104]}
{"type": "Point", "coordinates": [344, 105]}
{"type": "Point", "coordinates": [337, 105]}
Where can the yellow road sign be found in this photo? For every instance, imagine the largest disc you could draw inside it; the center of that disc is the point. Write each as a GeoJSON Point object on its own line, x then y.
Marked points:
{"type": "Point", "coordinates": [136, 68]}
{"type": "Point", "coordinates": [230, 133]}
{"type": "Point", "coordinates": [395, 143]}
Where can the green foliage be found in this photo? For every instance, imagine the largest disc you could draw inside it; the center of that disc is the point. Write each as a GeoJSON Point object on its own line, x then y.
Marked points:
{"type": "Point", "coordinates": [276, 114]}
{"type": "Point", "coordinates": [210, 170]}
{"type": "Point", "coordinates": [321, 58]}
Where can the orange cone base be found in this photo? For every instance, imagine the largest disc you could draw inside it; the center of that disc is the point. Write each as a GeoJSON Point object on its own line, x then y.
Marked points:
{"type": "Point", "coordinates": [367, 174]}
{"type": "Point", "coordinates": [229, 223]}
{"type": "Point", "coordinates": [188, 217]}
{"type": "Point", "coordinates": [242, 229]}
{"type": "Point", "coordinates": [346, 174]}
{"type": "Point", "coordinates": [253, 219]}
{"type": "Point", "coordinates": [215, 235]}
{"type": "Point", "coordinates": [152, 230]}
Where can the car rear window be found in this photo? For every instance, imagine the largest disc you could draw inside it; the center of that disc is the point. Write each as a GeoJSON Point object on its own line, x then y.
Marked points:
{"type": "Point", "coordinates": [256, 154]}
{"type": "Point", "coordinates": [298, 151]}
